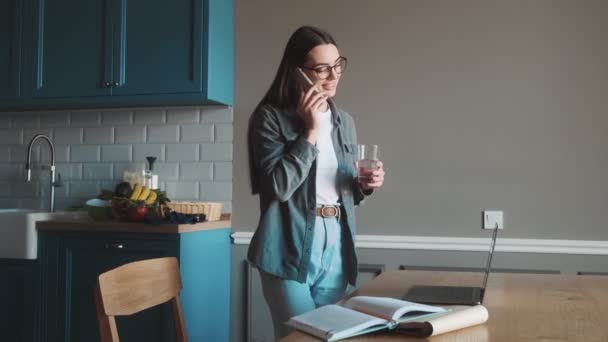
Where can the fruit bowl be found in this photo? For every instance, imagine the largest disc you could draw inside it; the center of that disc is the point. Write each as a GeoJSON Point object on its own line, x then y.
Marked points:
{"type": "Point", "coordinates": [99, 210]}
{"type": "Point", "coordinates": [134, 204]}
{"type": "Point", "coordinates": [137, 214]}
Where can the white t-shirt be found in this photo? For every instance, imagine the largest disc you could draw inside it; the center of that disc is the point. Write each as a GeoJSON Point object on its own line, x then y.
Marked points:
{"type": "Point", "coordinates": [327, 163]}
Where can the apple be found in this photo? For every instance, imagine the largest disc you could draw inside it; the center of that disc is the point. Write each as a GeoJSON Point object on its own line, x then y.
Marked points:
{"type": "Point", "coordinates": [137, 214]}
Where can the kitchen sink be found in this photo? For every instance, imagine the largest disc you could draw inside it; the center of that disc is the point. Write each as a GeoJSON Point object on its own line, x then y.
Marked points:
{"type": "Point", "coordinates": [18, 236]}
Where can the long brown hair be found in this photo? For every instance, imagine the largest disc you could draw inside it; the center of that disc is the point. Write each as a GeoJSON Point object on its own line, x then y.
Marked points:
{"type": "Point", "coordinates": [283, 92]}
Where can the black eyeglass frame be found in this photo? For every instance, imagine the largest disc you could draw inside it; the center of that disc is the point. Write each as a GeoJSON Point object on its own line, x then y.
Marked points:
{"type": "Point", "coordinates": [342, 59]}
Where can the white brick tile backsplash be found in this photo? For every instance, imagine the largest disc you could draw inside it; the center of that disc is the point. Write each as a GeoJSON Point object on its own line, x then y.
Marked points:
{"type": "Point", "coordinates": [119, 168]}
{"type": "Point", "coordinates": [65, 135]}
{"type": "Point", "coordinates": [116, 152]}
{"type": "Point", "coordinates": [23, 189]}
{"type": "Point", "coordinates": [107, 185]}
{"type": "Point", "coordinates": [182, 152]}
{"type": "Point", "coordinates": [163, 134]}
{"type": "Point", "coordinates": [54, 119]}
{"type": "Point", "coordinates": [25, 120]}
{"type": "Point", "coordinates": [215, 191]}
{"type": "Point", "coordinates": [9, 203]}
{"type": "Point", "coordinates": [183, 115]}
{"type": "Point", "coordinates": [116, 118]}
{"type": "Point", "coordinates": [181, 191]}
{"type": "Point", "coordinates": [141, 151]}
{"type": "Point", "coordinates": [167, 171]}
{"type": "Point", "coordinates": [63, 203]}
{"type": "Point", "coordinates": [131, 134]}
{"type": "Point", "coordinates": [149, 116]}
{"type": "Point", "coordinates": [6, 189]}
{"type": "Point", "coordinates": [223, 133]}
{"type": "Point", "coordinates": [196, 171]}
{"type": "Point", "coordinates": [19, 153]}
{"type": "Point", "coordinates": [84, 153]}
{"type": "Point", "coordinates": [84, 189]}
{"type": "Point", "coordinates": [4, 154]}
{"type": "Point", "coordinates": [97, 171]}
{"type": "Point", "coordinates": [69, 171]}
{"type": "Point", "coordinates": [5, 121]}
{"type": "Point", "coordinates": [216, 152]}
{"type": "Point", "coordinates": [29, 133]}
{"type": "Point", "coordinates": [98, 135]}
{"type": "Point", "coordinates": [84, 118]}
{"type": "Point", "coordinates": [216, 115]}
{"type": "Point", "coordinates": [62, 154]}
{"type": "Point", "coordinates": [12, 171]}
{"type": "Point", "coordinates": [222, 171]}
{"type": "Point", "coordinates": [62, 191]}
{"type": "Point", "coordinates": [33, 203]}
{"type": "Point", "coordinates": [93, 147]}
{"type": "Point", "coordinates": [197, 133]}
{"type": "Point", "coordinates": [10, 136]}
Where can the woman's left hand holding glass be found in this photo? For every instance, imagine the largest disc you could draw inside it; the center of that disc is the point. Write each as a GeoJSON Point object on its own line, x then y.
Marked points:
{"type": "Point", "coordinates": [372, 179]}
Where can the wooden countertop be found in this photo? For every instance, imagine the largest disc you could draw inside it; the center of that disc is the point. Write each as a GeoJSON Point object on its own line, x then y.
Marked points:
{"type": "Point", "coordinates": [88, 225]}
{"type": "Point", "coordinates": [522, 307]}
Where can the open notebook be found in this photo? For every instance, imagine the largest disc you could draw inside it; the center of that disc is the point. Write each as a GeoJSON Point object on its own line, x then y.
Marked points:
{"type": "Point", "coordinates": [360, 315]}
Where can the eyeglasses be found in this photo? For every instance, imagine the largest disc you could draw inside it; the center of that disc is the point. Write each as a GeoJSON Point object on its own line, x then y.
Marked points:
{"type": "Point", "coordinates": [324, 72]}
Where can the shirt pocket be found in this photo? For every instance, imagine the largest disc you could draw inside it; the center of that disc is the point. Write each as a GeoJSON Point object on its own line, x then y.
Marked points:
{"type": "Point", "coordinates": [350, 148]}
{"type": "Point", "coordinates": [350, 154]}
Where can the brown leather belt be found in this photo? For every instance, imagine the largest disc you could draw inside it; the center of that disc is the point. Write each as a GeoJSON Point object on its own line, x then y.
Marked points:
{"type": "Point", "coordinates": [328, 211]}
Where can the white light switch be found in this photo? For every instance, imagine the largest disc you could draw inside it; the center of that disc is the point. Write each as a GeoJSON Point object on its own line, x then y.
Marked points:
{"type": "Point", "coordinates": [492, 218]}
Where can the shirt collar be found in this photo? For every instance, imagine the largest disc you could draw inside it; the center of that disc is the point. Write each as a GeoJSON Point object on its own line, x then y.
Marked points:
{"type": "Point", "coordinates": [335, 114]}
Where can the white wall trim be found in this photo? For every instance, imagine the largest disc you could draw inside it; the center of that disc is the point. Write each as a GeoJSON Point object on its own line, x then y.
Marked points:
{"type": "Point", "coordinates": [466, 244]}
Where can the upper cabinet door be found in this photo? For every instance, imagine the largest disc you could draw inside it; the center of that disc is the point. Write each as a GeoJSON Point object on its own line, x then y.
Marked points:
{"type": "Point", "coordinates": [11, 27]}
{"type": "Point", "coordinates": [158, 47]}
{"type": "Point", "coordinates": [72, 48]}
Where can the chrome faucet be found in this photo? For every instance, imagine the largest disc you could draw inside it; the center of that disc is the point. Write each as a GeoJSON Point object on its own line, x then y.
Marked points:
{"type": "Point", "coordinates": [28, 167]}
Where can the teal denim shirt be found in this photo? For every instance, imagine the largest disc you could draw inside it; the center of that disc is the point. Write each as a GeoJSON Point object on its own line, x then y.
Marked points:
{"type": "Point", "coordinates": [283, 172]}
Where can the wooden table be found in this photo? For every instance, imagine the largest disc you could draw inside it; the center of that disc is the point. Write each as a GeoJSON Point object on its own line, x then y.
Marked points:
{"type": "Point", "coordinates": [522, 307]}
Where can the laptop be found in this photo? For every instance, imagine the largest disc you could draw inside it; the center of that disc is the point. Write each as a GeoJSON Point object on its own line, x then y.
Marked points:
{"type": "Point", "coordinates": [453, 295]}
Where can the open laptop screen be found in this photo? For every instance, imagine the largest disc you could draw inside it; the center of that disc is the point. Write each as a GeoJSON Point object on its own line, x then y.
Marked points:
{"type": "Point", "coordinates": [453, 295]}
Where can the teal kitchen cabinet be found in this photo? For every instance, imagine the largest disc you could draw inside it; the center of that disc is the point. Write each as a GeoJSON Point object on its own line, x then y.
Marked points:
{"type": "Point", "coordinates": [109, 53]}
{"type": "Point", "coordinates": [18, 279]}
{"type": "Point", "coordinates": [71, 261]}
{"type": "Point", "coordinates": [11, 34]}
{"type": "Point", "coordinates": [71, 49]}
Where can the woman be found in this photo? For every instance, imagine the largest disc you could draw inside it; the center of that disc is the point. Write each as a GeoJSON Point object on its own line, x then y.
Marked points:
{"type": "Point", "coordinates": [302, 154]}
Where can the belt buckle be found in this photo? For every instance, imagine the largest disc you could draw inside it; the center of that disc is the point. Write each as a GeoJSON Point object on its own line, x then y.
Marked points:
{"type": "Point", "coordinates": [334, 207]}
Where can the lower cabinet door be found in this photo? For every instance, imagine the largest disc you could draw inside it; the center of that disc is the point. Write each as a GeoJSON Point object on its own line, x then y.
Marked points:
{"type": "Point", "coordinates": [74, 261]}
{"type": "Point", "coordinates": [17, 297]}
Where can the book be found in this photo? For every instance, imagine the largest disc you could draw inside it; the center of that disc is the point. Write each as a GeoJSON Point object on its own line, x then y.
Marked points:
{"type": "Point", "coordinates": [454, 319]}
{"type": "Point", "coordinates": [361, 315]}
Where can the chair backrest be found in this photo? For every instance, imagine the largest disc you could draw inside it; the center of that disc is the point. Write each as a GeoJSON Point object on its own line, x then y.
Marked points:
{"type": "Point", "coordinates": [137, 286]}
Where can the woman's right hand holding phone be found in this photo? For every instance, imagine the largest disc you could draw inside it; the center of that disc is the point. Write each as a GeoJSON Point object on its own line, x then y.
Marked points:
{"type": "Point", "coordinates": [311, 104]}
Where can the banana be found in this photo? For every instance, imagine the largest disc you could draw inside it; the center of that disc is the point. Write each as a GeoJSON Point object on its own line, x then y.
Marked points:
{"type": "Point", "coordinates": [151, 198]}
{"type": "Point", "coordinates": [145, 192]}
{"type": "Point", "coordinates": [136, 192]}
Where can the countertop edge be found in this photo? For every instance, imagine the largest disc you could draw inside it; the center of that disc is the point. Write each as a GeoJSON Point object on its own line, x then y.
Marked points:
{"type": "Point", "coordinates": [127, 227]}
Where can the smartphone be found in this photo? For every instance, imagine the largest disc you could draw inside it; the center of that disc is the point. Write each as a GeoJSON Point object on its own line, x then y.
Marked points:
{"type": "Point", "coordinates": [303, 80]}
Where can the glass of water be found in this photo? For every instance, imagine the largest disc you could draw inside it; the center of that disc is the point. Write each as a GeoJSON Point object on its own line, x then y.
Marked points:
{"type": "Point", "coordinates": [367, 159]}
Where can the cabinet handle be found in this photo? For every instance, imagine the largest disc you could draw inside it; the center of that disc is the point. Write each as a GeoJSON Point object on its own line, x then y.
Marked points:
{"type": "Point", "coordinates": [114, 245]}
{"type": "Point", "coordinates": [107, 84]}
{"type": "Point", "coordinates": [115, 84]}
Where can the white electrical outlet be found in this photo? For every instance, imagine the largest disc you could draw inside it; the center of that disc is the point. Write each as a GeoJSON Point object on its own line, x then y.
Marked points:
{"type": "Point", "coordinates": [492, 219]}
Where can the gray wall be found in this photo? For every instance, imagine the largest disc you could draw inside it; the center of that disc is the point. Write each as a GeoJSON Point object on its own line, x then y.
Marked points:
{"type": "Point", "coordinates": [475, 105]}
{"type": "Point", "coordinates": [93, 147]}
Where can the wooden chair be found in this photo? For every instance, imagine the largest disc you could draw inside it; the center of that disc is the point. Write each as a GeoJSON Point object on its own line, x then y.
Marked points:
{"type": "Point", "coordinates": [137, 286]}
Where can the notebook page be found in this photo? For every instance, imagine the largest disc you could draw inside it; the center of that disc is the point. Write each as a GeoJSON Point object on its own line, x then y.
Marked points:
{"type": "Point", "coordinates": [388, 308]}
{"type": "Point", "coordinates": [332, 322]}
{"type": "Point", "coordinates": [459, 319]}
